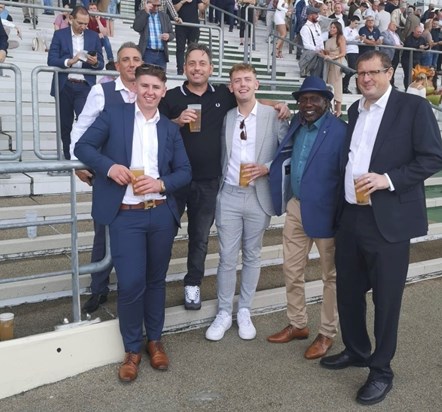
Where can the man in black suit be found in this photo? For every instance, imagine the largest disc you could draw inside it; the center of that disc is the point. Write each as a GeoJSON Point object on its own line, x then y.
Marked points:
{"type": "Point", "coordinates": [393, 145]}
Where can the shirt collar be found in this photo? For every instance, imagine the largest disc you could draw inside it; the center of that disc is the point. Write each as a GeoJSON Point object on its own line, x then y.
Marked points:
{"type": "Point", "coordinates": [381, 102]}
{"type": "Point", "coordinates": [139, 114]}
{"type": "Point", "coordinates": [317, 124]}
{"type": "Point", "coordinates": [254, 111]}
{"type": "Point", "coordinates": [185, 90]}
{"type": "Point", "coordinates": [76, 35]}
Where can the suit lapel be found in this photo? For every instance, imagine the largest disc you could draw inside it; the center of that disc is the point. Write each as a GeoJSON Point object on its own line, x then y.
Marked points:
{"type": "Point", "coordinates": [128, 129]}
{"type": "Point", "coordinates": [261, 127]}
{"type": "Point", "coordinates": [230, 126]}
{"type": "Point", "coordinates": [322, 133]}
{"type": "Point", "coordinates": [387, 122]}
{"type": "Point", "coordinates": [162, 139]}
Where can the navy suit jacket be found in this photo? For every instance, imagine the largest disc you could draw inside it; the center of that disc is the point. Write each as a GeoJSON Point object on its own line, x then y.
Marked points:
{"type": "Point", "coordinates": [108, 141]}
{"type": "Point", "coordinates": [320, 181]}
{"type": "Point", "coordinates": [61, 49]}
{"type": "Point", "coordinates": [408, 147]}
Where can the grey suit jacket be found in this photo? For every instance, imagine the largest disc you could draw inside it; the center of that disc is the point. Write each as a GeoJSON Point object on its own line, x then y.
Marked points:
{"type": "Point", "coordinates": [269, 133]}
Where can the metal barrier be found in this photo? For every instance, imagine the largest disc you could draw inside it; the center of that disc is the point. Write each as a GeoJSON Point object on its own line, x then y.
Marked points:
{"type": "Point", "coordinates": [76, 270]}
{"type": "Point", "coordinates": [18, 114]}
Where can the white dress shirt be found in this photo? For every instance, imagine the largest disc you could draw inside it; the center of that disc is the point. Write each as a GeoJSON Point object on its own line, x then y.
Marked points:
{"type": "Point", "coordinates": [144, 153]}
{"type": "Point", "coordinates": [362, 143]}
{"type": "Point", "coordinates": [243, 151]}
{"type": "Point", "coordinates": [311, 36]}
{"type": "Point", "coordinates": [353, 36]}
{"type": "Point", "coordinates": [93, 107]}
{"type": "Point", "coordinates": [77, 46]}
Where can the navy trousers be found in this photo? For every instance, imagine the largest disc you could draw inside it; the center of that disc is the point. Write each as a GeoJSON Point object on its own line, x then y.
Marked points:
{"type": "Point", "coordinates": [141, 246]}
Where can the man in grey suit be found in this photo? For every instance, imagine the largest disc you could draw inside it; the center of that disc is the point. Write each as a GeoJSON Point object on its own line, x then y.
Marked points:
{"type": "Point", "coordinates": [249, 140]}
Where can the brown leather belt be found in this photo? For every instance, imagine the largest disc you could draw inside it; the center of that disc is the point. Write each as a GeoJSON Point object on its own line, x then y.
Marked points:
{"type": "Point", "coordinates": [148, 204]}
{"type": "Point", "coordinates": [77, 81]}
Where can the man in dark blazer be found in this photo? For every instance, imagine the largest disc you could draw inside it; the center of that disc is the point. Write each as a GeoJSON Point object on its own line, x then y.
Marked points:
{"type": "Point", "coordinates": [76, 47]}
{"type": "Point", "coordinates": [142, 216]}
{"type": "Point", "coordinates": [156, 32]}
{"type": "Point", "coordinates": [393, 144]}
{"type": "Point", "coordinates": [304, 179]}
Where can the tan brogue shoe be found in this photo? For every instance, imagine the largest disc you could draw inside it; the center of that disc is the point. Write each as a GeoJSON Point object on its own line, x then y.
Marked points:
{"type": "Point", "coordinates": [158, 357]}
{"type": "Point", "coordinates": [319, 347]}
{"type": "Point", "coordinates": [289, 333]}
{"type": "Point", "coordinates": [128, 370]}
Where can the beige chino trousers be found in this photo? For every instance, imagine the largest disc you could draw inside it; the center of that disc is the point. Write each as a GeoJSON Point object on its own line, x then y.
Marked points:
{"type": "Point", "coordinates": [296, 247]}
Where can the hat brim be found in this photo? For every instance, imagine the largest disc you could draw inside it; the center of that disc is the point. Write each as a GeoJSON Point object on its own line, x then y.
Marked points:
{"type": "Point", "coordinates": [326, 93]}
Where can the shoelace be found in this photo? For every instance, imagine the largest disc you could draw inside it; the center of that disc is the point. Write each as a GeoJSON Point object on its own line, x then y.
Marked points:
{"type": "Point", "coordinates": [219, 319]}
{"type": "Point", "coordinates": [131, 358]}
{"type": "Point", "coordinates": [192, 293]}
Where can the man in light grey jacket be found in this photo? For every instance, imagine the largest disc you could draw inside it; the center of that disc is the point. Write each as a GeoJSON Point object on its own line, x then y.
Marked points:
{"type": "Point", "coordinates": [249, 141]}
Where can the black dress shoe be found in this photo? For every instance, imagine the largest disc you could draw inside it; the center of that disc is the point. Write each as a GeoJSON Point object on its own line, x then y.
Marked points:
{"type": "Point", "coordinates": [373, 391]}
{"type": "Point", "coordinates": [342, 360]}
{"type": "Point", "coordinates": [93, 303]}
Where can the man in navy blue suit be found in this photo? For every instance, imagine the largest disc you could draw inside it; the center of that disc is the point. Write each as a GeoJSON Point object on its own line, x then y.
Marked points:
{"type": "Point", "coordinates": [141, 212]}
{"type": "Point", "coordinates": [76, 47]}
{"type": "Point", "coordinates": [393, 144]}
{"type": "Point", "coordinates": [307, 166]}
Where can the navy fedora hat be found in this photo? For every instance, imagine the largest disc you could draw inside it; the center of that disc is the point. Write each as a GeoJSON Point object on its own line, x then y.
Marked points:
{"type": "Point", "coordinates": [313, 84]}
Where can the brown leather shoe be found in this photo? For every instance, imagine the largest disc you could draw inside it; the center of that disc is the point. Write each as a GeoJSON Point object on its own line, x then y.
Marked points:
{"type": "Point", "coordinates": [289, 333]}
{"type": "Point", "coordinates": [158, 357]}
{"type": "Point", "coordinates": [128, 370]}
{"type": "Point", "coordinates": [319, 347]}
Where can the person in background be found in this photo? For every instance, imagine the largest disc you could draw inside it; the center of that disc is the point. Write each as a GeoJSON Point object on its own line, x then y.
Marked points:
{"type": "Point", "coordinates": [156, 32]}
{"type": "Point", "coordinates": [335, 50]}
{"type": "Point", "coordinates": [250, 18]}
{"type": "Point", "coordinates": [281, 11]}
{"type": "Point", "coordinates": [3, 43]}
{"type": "Point", "coordinates": [351, 34]}
{"type": "Point", "coordinates": [62, 20]}
{"type": "Point", "coordinates": [120, 91]}
{"type": "Point", "coordinates": [99, 25]}
{"type": "Point", "coordinates": [67, 50]}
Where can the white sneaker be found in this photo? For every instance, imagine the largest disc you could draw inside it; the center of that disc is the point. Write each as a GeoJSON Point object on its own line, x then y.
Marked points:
{"type": "Point", "coordinates": [246, 329]}
{"type": "Point", "coordinates": [219, 326]}
{"type": "Point", "coordinates": [192, 298]}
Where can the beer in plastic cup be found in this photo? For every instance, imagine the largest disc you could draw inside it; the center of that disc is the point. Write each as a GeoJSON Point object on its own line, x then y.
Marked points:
{"type": "Point", "coordinates": [136, 171]}
{"type": "Point", "coordinates": [6, 326]}
{"type": "Point", "coordinates": [361, 197]}
{"type": "Point", "coordinates": [195, 126]}
{"type": "Point", "coordinates": [244, 176]}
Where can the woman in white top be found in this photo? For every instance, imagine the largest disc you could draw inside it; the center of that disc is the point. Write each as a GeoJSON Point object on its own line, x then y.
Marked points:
{"type": "Point", "coordinates": [418, 86]}
{"type": "Point", "coordinates": [279, 19]}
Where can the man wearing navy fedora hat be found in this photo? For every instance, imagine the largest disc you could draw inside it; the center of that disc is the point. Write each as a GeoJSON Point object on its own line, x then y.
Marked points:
{"type": "Point", "coordinates": [304, 180]}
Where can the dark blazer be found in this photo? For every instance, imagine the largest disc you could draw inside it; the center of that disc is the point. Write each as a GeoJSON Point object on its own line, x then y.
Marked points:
{"type": "Point", "coordinates": [61, 49]}
{"type": "Point", "coordinates": [407, 147]}
{"type": "Point", "coordinates": [108, 141]}
{"type": "Point", "coordinates": [321, 179]}
{"type": "Point", "coordinates": [141, 25]}
{"type": "Point", "coordinates": [3, 38]}
{"type": "Point", "coordinates": [344, 18]}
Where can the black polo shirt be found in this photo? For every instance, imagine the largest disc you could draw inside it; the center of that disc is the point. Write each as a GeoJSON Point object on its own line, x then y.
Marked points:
{"type": "Point", "coordinates": [189, 11]}
{"type": "Point", "coordinates": [203, 148]}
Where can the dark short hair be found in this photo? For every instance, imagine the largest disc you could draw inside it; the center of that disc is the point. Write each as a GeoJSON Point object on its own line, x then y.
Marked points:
{"type": "Point", "coordinates": [372, 54]}
{"type": "Point", "coordinates": [239, 67]}
{"type": "Point", "coordinates": [151, 70]}
{"type": "Point", "coordinates": [79, 10]}
{"type": "Point", "coordinates": [355, 18]}
{"type": "Point", "coordinates": [198, 46]}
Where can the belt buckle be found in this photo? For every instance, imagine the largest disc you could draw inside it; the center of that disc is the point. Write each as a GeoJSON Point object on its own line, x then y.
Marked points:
{"type": "Point", "coordinates": [149, 204]}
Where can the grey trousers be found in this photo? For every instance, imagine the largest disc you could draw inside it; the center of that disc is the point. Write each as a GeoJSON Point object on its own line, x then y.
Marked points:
{"type": "Point", "coordinates": [241, 223]}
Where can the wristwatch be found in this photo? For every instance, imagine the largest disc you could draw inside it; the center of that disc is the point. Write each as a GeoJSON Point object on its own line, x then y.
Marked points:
{"type": "Point", "coordinates": [163, 187]}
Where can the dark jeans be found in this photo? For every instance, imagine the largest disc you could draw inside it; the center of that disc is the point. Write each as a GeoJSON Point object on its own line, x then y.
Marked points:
{"type": "Point", "coordinates": [200, 198]}
{"type": "Point", "coordinates": [184, 35]}
{"type": "Point", "coordinates": [72, 99]}
{"type": "Point", "coordinates": [394, 64]}
{"type": "Point", "coordinates": [157, 57]}
{"type": "Point", "coordinates": [351, 60]}
{"type": "Point", "coordinates": [100, 280]}
{"type": "Point", "coordinates": [242, 25]}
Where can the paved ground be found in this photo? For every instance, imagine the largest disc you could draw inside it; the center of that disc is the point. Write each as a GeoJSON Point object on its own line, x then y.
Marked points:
{"type": "Point", "coordinates": [234, 375]}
